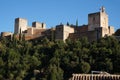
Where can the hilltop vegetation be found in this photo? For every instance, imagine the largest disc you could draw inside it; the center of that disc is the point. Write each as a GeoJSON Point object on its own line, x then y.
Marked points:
{"type": "Point", "coordinates": [56, 60]}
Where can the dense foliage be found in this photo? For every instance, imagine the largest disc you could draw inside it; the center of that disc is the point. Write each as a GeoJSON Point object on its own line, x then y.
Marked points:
{"type": "Point", "coordinates": [57, 60]}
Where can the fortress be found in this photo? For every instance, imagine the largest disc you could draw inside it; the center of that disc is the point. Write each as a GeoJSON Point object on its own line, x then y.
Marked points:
{"type": "Point", "coordinates": [96, 28]}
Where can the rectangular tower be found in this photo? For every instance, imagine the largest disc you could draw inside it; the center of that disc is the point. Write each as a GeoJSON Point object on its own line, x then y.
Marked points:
{"type": "Point", "coordinates": [20, 25]}
{"type": "Point", "coordinates": [39, 25]}
{"type": "Point", "coordinates": [93, 21]}
{"type": "Point", "coordinates": [99, 20]}
{"type": "Point", "coordinates": [63, 32]}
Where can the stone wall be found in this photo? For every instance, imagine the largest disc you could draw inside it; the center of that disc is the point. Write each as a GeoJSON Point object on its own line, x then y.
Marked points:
{"type": "Point", "coordinates": [90, 35]}
{"type": "Point", "coordinates": [81, 29]}
{"type": "Point", "coordinates": [59, 32]}
{"type": "Point", "coordinates": [5, 34]}
{"type": "Point", "coordinates": [111, 30]}
{"type": "Point", "coordinates": [63, 32]}
{"type": "Point", "coordinates": [66, 32]}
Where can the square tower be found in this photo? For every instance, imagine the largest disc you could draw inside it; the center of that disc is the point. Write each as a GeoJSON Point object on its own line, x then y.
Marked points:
{"type": "Point", "coordinates": [63, 32]}
{"type": "Point", "coordinates": [98, 19]}
{"type": "Point", "coordinates": [39, 25]}
{"type": "Point", "coordinates": [20, 25]}
{"type": "Point", "coordinates": [93, 21]}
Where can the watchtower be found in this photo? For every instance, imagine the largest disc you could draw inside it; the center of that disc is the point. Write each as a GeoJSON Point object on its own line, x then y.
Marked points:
{"type": "Point", "coordinates": [20, 25]}
{"type": "Point", "coordinates": [99, 20]}
{"type": "Point", "coordinates": [39, 25]}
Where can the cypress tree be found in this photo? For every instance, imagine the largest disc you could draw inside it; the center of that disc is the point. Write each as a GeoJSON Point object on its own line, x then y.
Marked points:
{"type": "Point", "coordinates": [77, 22]}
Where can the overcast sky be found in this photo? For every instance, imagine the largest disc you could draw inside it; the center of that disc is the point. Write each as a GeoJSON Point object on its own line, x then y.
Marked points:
{"type": "Point", "coordinates": [53, 12]}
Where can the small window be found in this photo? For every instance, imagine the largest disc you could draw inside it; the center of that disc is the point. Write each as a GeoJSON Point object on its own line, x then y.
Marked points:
{"type": "Point", "coordinates": [93, 18]}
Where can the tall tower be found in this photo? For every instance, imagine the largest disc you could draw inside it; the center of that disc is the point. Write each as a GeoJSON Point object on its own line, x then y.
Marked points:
{"type": "Point", "coordinates": [98, 20]}
{"type": "Point", "coordinates": [103, 18]}
{"type": "Point", "coordinates": [20, 25]}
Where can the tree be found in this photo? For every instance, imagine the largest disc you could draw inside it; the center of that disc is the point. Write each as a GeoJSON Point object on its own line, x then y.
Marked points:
{"type": "Point", "coordinates": [117, 33]}
{"type": "Point", "coordinates": [77, 22]}
{"type": "Point", "coordinates": [85, 67]}
{"type": "Point", "coordinates": [68, 24]}
{"type": "Point", "coordinates": [55, 73]}
{"type": "Point", "coordinates": [52, 34]}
